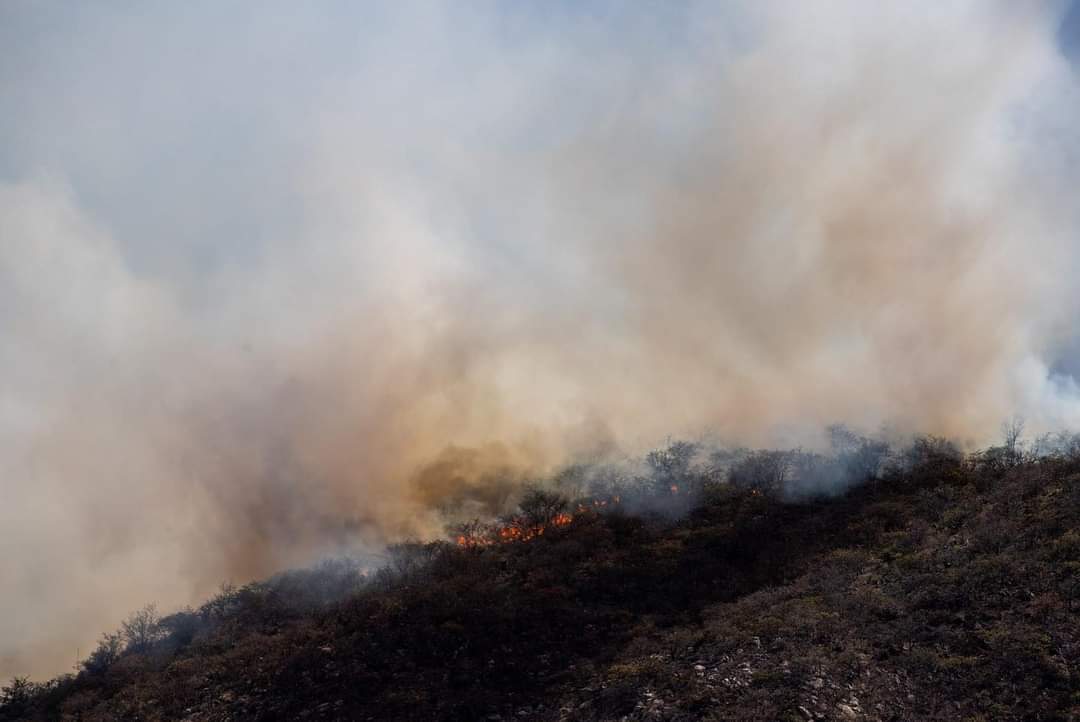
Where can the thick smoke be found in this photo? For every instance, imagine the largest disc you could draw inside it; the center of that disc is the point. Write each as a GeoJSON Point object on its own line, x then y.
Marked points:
{"type": "Point", "coordinates": [283, 282]}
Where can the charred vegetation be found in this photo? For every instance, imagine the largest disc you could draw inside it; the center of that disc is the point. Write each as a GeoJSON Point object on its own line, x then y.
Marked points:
{"type": "Point", "coordinates": [918, 584]}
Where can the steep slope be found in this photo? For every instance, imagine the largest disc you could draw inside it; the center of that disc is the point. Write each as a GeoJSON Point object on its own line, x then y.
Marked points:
{"type": "Point", "coordinates": [948, 591]}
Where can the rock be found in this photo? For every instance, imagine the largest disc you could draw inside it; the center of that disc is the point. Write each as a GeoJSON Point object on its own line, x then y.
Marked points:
{"type": "Point", "coordinates": [846, 712]}
{"type": "Point", "coordinates": [806, 713]}
{"type": "Point", "coordinates": [817, 683]}
{"type": "Point", "coordinates": [699, 668]}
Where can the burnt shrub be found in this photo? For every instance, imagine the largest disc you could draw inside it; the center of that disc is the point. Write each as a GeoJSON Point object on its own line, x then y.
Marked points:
{"type": "Point", "coordinates": [764, 471]}
{"type": "Point", "coordinates": [179, 629]}
{"type": "Point", "coordinates": [105, 654]}
{"type": "Point", "coordinates": [16, 697]}
{"type": "Point", "coordinates": [141, 630]}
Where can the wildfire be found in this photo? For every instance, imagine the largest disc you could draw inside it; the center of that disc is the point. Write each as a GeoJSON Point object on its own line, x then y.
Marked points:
{"type": "Point", "coordinates": [512, 532]}
{"type": "Point", "coordinates": [519, 531]}
{"type": "Point", "coordinates": [598, 504]}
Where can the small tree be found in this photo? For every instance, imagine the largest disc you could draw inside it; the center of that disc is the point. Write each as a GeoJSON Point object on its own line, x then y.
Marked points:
{"type": "Point", "coordinates": [141, 629]}
{"type": "Point", "coordinates": [670, 467]}
{"type": "Point", "coordinates": [861, 458]}
{"type": "Point", "coordinates": [16, 697]}
{"type": "Point", "coordinates": [762, 470]}
{"type": "Point", "coordinates": [721, 461]}
{"type": "Point", "coordinates": [929, 459]}
{"type": "Point", "coordinates": [864, 462]}
{"type": "Point", "coordinates": [107, 652]}
{"type": "Point", "coordinates": [540, 507]}
{"type": "Point", "coordinates": [1011, 431]}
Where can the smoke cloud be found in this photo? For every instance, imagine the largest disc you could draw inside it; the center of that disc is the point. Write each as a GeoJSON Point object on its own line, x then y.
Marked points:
{"type": "Point", "coordinates": [285, 281]}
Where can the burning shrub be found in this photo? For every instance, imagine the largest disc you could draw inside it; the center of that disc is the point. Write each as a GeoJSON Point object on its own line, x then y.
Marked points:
{"type": "Point", "coordinates": [541, 508]}
{"type": "Point", "coordinates": [670, 468]}
{"type": "Point", "coordinates": [471, 534]}
{"type": "Point", "coordinates": [539, 511]}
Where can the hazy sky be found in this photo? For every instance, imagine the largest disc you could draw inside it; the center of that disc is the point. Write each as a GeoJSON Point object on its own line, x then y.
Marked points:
{"type": "Point", "coordinates": [263, 263]}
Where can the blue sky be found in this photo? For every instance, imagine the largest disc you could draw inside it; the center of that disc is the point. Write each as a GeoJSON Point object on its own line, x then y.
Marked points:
{"type": "Point", "coordinates": [1070, 30]}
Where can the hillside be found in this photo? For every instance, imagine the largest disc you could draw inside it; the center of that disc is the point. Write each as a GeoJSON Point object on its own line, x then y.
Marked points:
{"type": "Point", "coordinates": [944, 588]}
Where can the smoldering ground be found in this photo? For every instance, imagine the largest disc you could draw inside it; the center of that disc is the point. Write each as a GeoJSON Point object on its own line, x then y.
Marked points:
{"type": "Point", "coordinates": [283, 282]}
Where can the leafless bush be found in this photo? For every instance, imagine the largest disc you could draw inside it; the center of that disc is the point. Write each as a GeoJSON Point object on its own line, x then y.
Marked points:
{"type": "Point", "coordinates": [141, 629]}
{"type": "Point", "coordinates": [762, 470]}
{"type": "Point", "coordinates": [1011, 431]}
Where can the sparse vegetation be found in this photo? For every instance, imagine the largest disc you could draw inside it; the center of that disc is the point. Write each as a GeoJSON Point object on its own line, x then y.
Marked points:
{"type": "Point", "coordinates": [141, 629]}
{"type": "Point", "coordinates": [945, 589]}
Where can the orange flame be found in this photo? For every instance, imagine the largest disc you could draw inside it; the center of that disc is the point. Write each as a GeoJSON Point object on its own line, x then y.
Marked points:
{"type": "Point", "coordinates": [517, 531]}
